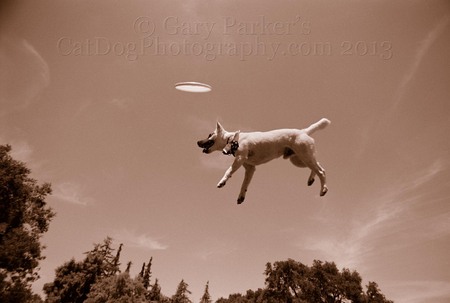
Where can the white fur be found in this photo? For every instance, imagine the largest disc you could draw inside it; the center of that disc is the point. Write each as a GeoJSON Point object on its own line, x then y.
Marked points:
{"type": "Point", "coordinates": [257, 148]}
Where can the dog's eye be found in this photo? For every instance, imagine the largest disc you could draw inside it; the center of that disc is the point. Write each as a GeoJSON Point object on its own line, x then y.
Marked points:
{"type": "Point", "coordinates": [209, 136]}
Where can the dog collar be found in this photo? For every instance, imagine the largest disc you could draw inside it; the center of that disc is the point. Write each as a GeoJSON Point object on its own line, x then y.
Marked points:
{"type": "Point", "coordinates": [234, 147]}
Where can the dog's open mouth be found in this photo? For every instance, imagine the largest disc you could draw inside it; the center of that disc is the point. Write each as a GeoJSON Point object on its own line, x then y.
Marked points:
{"type": "Point", "coordinates": [206, 145]}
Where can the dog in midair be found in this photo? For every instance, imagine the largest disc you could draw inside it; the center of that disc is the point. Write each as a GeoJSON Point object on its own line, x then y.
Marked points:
{"type": "Point", "coordinates": [254, 148]}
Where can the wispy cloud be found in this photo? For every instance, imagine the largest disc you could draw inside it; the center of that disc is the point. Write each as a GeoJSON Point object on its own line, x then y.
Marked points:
{"type": "Point", "coordinates": [122, 103]}
{"type": "Point", "coordinates": [376, 127]}
{"type": "Point", "coordinates": [216, 248]}
{"type": "Point", "coordinates": [386, 215]}
{"type": "Point", "coordinates": [426, 175]}
{"type": "Point", "coordinates": [83, 107]}
{"type": "Point", "coordinates": [24, 74]}
{"type": "Point", "coordinates": [21, 151]}
{"type": "Point", "coordinates": [25, 152]}
{"type": "Point", "coordinates": [351, 247]}
{"type": "Point", "coordinates": [71, 192]}
{"type": "Point", "coordinates": [422, 50]}
{"type": "Point", "coordinates": [421, 291]}
{"type": "Point", "coordinates": [138, 240]}
{"type": "Point", "coordinates": [43, 69]}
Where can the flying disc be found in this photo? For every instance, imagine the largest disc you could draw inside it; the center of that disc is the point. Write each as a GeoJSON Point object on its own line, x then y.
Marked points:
{"type": "Point", "coordinates": [193, 87]}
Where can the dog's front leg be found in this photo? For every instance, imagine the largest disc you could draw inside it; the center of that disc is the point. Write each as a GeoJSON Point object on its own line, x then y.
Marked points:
{"type": "Point", "coordinates": [249, 171]}
{"type": "Point", "coordinates": [238, 161]}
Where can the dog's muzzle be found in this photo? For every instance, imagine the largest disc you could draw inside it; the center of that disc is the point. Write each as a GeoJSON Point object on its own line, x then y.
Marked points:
{"type": "Point", "coordinates": [206, 145]}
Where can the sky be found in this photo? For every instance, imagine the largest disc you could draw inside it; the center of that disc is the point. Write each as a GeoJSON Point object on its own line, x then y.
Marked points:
{"type": "Point", "coordinates": [87, 100]}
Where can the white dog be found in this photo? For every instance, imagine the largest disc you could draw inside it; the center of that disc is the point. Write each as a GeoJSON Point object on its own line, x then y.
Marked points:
{"type": "Point", "coordinates": [254, 148]}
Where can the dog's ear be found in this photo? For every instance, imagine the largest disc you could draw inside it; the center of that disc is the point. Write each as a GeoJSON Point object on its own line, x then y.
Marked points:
{"type": "Point", "coordinates": [219, 128]}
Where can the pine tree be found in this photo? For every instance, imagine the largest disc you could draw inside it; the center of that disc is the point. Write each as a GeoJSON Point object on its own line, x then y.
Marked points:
{"type": "Point", "coordinates": [141, 273]}
{"type": "Point", "coordinates": [154, 294]}
{"type": "Point", "coordinates": [206, 298]}
{"type": "Point", "coordinates": [116, 261]}
{"type": "Point", "coordinates": [181, 295]}
{"type": "Point", "coordinates": [128, 267]}
{"type": "Point", "coordinates": [147, 274]}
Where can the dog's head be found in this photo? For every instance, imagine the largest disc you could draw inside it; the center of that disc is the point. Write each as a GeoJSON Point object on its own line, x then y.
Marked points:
{"type": "Point", "coordinates": [215, 141]}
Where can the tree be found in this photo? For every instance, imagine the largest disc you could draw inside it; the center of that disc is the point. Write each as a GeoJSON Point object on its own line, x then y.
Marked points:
{"type": "Point", "coordinates": [127, 270]}
{"type": "Point", "coordinates": [74, 280]}
{"type": "Point", "coordinates": [181, 295]}
{"type": "Point", "coordinates": [330, 285]}
{"type": "Point", "coordinates": [206, 298]}
{"type": "Point", "coordinates": [291, 281]}
{"type": "Point", "coordinates": [147, 274]}
{"type": "Point", "coordinates": [235, 298]}
{"type": "Point", "coordinates": [287, 280]}
{"type": "Point", "coordinates": [117, 289]}
{"type": "Point", "coordinates": [374, 294]}
{"type": "Point", "coordinates": [116, 261]}
{"type": "Point", "coordinates": [24, 218]}
{"type": "Point", "coordinates": [155, 295]}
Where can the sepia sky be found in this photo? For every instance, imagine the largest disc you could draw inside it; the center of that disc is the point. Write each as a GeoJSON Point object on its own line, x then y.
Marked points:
{"type": "Point", "coordinates": [87, 100]}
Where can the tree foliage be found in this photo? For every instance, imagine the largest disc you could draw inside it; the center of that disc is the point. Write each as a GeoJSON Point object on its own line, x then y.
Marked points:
{"type": "Point", "coordinates": [74, 280]}
{"type": "Point", "coordinates": [24, 218]}
{"type": "Point", "coordinates": [374, 294]}
{"type": "Point", "coordinates": [206, 298]}
{"type": "Point", "coordinates": [182, 293]}
{"type": "Point", "coordinates": [293, 282]}
{"type": "Point", "coordinates": [97, 279]}
{"type": "Point", "coordinates": [147, 274]}
{"type": "Point", "coordinates": [155, 295]}
{"type": "Point", "coordinates": [118, 288]}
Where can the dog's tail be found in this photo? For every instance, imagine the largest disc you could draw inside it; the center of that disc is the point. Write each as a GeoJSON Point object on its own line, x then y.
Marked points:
{"type": "Point", "coordinates": [321, 124]}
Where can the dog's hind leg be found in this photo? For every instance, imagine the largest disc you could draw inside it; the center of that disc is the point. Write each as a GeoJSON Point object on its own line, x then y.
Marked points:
{"type": "Point", "coordinates": [317, 169]}
{"type": "Point", "coordinates": [311, 178]}
{"type": "Point", "coordinates": [313, 174]}
{"type": "Point", "coordinates": [299, 163]}
{"type": "Point", "coordinates": [307, 151]}
{"type": "Point", "coordinates": [249, 171]}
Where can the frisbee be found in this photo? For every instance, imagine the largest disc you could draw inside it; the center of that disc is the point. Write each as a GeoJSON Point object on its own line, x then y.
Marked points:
{"type": "Point", "coordinates": [193, 87]}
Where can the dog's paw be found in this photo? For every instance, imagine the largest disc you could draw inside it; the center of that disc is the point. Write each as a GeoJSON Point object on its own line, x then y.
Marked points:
{"type": "Point", "coordinates": [310, 181]}
{"type": "Point", "coordinates": [323, 191]}
{"type": "Point", "coordinates": [240, 200]}
{"type": "Point", "coordinates": [221, 184]}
